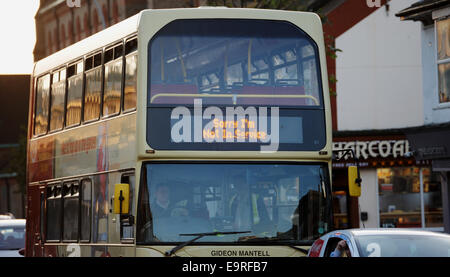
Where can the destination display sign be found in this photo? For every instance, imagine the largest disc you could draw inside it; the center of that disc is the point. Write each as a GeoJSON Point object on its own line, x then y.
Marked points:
{"type": "Point", "coordinates": [267, 129]}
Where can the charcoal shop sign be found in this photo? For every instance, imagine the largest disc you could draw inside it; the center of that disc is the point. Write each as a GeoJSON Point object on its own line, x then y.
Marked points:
{"type": "Point", "coordinates": [374, 149]}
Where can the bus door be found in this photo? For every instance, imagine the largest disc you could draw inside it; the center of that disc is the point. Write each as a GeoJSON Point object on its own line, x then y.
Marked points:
{"type": "Point", "coordinates": [35, 225]}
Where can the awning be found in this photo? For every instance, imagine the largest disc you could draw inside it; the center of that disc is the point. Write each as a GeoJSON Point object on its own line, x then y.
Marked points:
{"type": "Point", "coordinates": [422, 10]}
{"type": "Point", "coordinates": [430, 142]}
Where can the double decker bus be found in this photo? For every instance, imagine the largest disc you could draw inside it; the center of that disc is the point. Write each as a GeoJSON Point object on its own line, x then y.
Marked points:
{"type": "Point", "coordinates": [182, 132]}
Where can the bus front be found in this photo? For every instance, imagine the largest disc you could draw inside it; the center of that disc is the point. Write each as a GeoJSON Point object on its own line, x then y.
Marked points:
{"type": "Point", "coordinates": [237, 152]}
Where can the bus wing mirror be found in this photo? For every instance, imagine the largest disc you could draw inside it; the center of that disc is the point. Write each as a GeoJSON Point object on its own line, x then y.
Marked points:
{"type": "Point", "coordinates": [354, 181]}
{"type": "Point", "coordinates": [121, 198]}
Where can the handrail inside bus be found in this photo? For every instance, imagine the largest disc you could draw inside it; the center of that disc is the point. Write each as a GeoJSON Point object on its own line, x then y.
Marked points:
{"type": "Point", "coordinates": [233, 96]}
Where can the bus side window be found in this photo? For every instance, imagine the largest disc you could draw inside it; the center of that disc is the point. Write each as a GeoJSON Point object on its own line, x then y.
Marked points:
{"type": "Point", "coordinates": [130, 90]}
{"type": "Point", "coordinates": [54, 213]}
{"type": "Point", "coordinates": [93, 88]}
{"type": "Point", "coordinates": [127, 178]}
{"type": "Point", "coordinates": [42, 105]}
{"type": "Point", "coordinates": [71, 211]}
{"type": "Point", "coordinates": [100, 208]}
{"type": "Point", "coordinates": [86, 209]}
{"type": "Point", "coordinates": [74, 94]}
{"type": "Point", "coordinates": [113, 80]}
{"type": "Point", "coordinates": [58, 94]}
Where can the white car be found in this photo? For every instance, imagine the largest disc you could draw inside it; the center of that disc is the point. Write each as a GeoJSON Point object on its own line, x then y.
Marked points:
{"type": "Point", "coordinates": [6, 216]}
{"type": "Point", "coordinates": [12, 237]}
{"type": "Point", "coordinates": [381, 242]}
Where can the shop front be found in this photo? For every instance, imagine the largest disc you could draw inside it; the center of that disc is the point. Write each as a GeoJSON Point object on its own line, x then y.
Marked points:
{"type": "Point", "coordinates": [397, 190]}
{"type": "Point", "coordinates": [433, 143]}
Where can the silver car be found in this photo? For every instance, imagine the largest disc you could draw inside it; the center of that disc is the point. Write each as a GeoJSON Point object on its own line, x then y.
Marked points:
{"type": "Point", "coordinates": [387, 242]}
{"type": "Point", "coordinates": [12, 237]}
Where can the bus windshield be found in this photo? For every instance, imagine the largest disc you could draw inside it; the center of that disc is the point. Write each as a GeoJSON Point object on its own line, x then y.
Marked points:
{"type": "Point", "coordinates": [234, 62]}
{"type": "Point", "coordinates": [250, 202]}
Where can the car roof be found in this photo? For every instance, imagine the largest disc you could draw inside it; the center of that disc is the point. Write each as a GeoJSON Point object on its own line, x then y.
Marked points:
{"type": "Point", "coordinates": [12, 222]}
{"type": "Point", "coordinates": [390, 231]}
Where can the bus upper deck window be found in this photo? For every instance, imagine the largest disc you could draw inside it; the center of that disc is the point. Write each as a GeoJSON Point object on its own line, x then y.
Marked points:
{"type": "Point", "coordinates": [259, 61]}
{"type": "Point", "coordinates": [130, 89]}
{"type": "Point", "coordinates": [93, 88]}
{"type": "Point", "coordinates": [113, 81]}
{"type": "Point", "coordinates": [58, 93]}
{"type": "Point", "coordinates": [74, 94]}
{"type": "Point", "coordinates": [42, 105]}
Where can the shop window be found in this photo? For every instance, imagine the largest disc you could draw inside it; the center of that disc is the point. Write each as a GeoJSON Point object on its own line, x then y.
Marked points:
{"type": "Point", "coordinates": [399, 196]}
{"type": "Point", "coordinates": [443, 58]}
{"type": "Point", "coordinates": [340, 214]}
{"type": "Point", "coordinates": [409, 197]}
{"type": "Point", "coordinates": [42, 104]}
{"type": "Point", "coordinates": [58, 94]}
{"type": "Point", "coordinates": [432, 199]}
{"type": "Point", "coordinates": [74, 94]}
{"type": "Point", "coordinates": [92, 96]}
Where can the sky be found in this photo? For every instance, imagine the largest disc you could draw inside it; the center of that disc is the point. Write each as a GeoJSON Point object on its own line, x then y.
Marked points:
{"type": "Point", "coordinates": [18, 35]}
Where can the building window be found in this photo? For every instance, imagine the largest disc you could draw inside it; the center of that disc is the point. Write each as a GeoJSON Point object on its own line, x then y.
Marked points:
{"type": "Point", "coordinates": [432, 199]}
{"type": "Point", "coordinates": [63, 36]}
{"type": "Point", "coordinates": [95, 21]}
{"type": "Point", "coordinates": [340, 213]}
{"type": "Point", "coordinates": [78, 29]}
{"type": "Point", "coordinates": [115, 13]}
{"type": "Point", "coordinates": [105, 16]}
{"type": "Point", "coordinates": [409, 197]}
{"type": "Point", "coordinates": [57, 40]}
{"type": "Point", "coordinates": [70, 28]}
{"type": "Point", "coordinates": [50, 44]}
{"type": "Point", "coordinates": [443, 56]}
{"type": "Point", "coordinates": [87, 30]}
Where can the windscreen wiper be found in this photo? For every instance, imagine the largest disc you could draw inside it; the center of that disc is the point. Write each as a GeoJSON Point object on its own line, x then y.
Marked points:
{"type": "Point", "coordinates": [199, 236]}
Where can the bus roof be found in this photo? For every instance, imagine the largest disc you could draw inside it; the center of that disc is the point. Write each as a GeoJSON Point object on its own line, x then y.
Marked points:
{"type": "Point", "coordinates": [130, 25]}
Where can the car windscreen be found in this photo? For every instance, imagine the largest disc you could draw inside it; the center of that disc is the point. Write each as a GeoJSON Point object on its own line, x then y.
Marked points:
{"type": "Point", "coordinates": [396, 245]}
